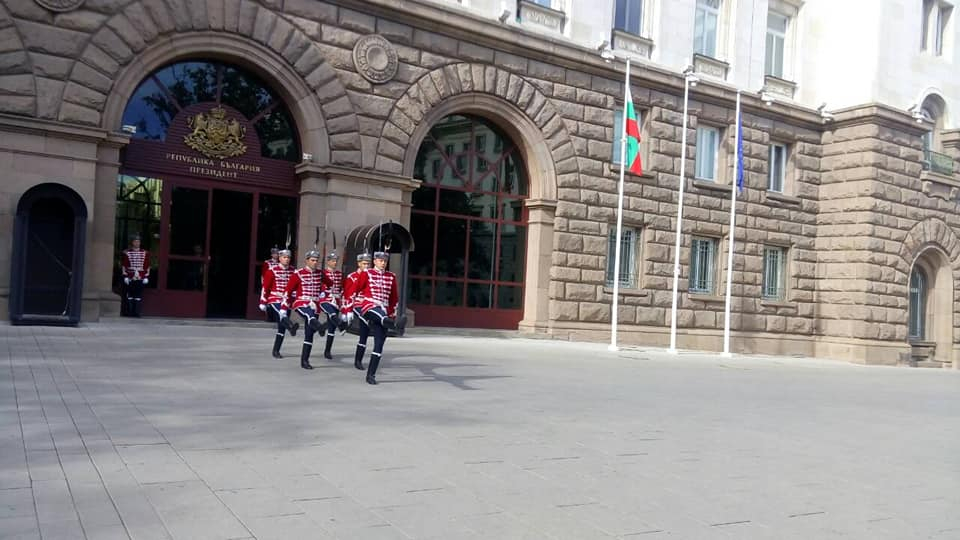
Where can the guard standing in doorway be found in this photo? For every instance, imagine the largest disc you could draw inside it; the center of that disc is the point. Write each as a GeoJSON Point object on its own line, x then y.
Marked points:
{"type": "Point", "coordinates": [275, 280]}
{"type": "Point", "coordinates": [304, 289]}
{"type": "Point", "coordinates": [332, 298]}
{"type": "Point", "coordinates": [136, 275]}
{"type": "Point", "coordinates": [350, 308]}
{"type": "Point", "coordinates": [267, 264]}
{"type": "Point", "coordinates": [376, 296]}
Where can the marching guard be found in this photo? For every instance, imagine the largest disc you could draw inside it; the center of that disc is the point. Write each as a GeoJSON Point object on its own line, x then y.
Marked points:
{"type": "Point", "coordinates": [136, 275]}
{"type": "Point", "coordinates": [374, 297]}
{"type": "Point", "coordinates": [351, 308]}
{"type": "Point", "coordinates": [306, 287]}
{"type": "Point", "coordinates": [272, 296]}
{"type": "Point", "coordinates": [332, 298]}
{"type": "Point", "coordinates": [267, 265]}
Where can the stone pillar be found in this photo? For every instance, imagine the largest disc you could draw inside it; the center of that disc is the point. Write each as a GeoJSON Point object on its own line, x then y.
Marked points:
{"type": "Point", "coordinates": [339, 199]}
{"type": "Point", "coordinates": [536, 299]}
{"type": "Point", "coordinates": [98, 297]}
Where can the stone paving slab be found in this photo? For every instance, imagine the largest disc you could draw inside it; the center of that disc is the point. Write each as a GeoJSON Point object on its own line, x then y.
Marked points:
{"type": "Point", "coordinates": [154, 430]}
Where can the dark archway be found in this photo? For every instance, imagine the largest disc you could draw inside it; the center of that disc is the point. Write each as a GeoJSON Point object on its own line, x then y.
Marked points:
{"type": "Point", "coordinates": [49, 241]}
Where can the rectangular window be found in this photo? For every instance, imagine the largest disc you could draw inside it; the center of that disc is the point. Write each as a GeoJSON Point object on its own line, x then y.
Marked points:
{"type": "Point", "coordinates": [776, 40]}
{"type": "Point", "coordinates": [774, 273]}
{"type": "Point", "coordinates": [618, 133]}
{"type": "Point", "coordinates": [708, 144]}
{"type": "Point", "coordinates": [935, 18]}
{"type": "Point", "coordinates": [778, 167]}
{"type": "Point", "coordinates": [706, 22]}
{"type": "Point", "coordinates": [703, 265]}
{"type": "Point", "coordinates": [628, 257]}
{"type": "Point", "coordinates": [629, 16]}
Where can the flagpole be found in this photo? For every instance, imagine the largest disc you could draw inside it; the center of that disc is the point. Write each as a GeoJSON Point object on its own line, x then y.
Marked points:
{"type": "Point", "coordinates": [688, 78]}
{"type": "Point", "coordinates": [735, 186]}
{"type": "Point", "coordinates": [616, 251]}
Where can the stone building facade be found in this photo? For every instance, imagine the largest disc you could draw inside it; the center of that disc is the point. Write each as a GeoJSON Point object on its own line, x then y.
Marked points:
{"type": "Point", "coordinates": [857, 214]}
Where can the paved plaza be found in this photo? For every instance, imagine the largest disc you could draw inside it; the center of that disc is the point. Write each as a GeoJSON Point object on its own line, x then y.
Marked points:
{"type": "Point", "coordinates": [167, 431]}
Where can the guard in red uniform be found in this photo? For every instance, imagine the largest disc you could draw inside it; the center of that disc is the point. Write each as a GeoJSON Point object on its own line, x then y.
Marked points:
{"type": "Point", "coordinates": [332, 298]}
{"type": "Point", "coordinates": [267, 264]}
{"type": "Point", "coordinates": [304, 295]}
{"type": "Point", "coordinates": [350, 308]}
{"type": "Point", "coordinates": [275, 280]}
{"type": "Point", "coordinates": [136, 275]}
{"type": "Point", "coordinates": [375, 296]}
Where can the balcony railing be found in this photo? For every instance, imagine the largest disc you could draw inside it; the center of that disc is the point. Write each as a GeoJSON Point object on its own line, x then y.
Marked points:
{"type": "Point", "coordinates": [937, 162]}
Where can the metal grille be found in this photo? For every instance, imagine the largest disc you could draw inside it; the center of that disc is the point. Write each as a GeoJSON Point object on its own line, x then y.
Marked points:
{"type": "Point", "coordinates": [773, 273]}
{"type": "Point", "coordinates": [628, 257]}
{"type": "Point", "coordinates": [703, 268]}
{"type": "Point", "coordinates": [918, 297]}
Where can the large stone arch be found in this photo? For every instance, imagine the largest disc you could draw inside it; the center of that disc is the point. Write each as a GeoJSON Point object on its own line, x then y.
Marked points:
{"type": "Point", "coordinates": [528, 117]}
{"type": "Point", "coordinates": [934, 247]}
{"type": "Point", "coordinates": [517, 106]}
{"type": "Point", "coordinates": [17, 79]}
{"type": "Point", "coordinates": [146, 35]}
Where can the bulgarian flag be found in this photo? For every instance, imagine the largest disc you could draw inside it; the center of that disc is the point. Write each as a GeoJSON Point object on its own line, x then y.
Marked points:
{"type": "Point", "coordinates": [632, 132]}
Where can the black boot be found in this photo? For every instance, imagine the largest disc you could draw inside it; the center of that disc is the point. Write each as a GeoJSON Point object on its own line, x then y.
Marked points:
{"type": "Point", "coordinates": [277, 341]}
{"type": "Point", "coordinates": [136, 308]}
{"type": "Point", "coordinates": [305, 356]}
{"type": "Point", "coordinates": [358, 357]}
{"type": "Point", "coordinates": [291, 326]}
{"type": "Point", "coordinates": [372, 370]}
{"type": "Point", "coordinates": [315, 325]}
{"type": "Point", "coordinates": [326, 350]}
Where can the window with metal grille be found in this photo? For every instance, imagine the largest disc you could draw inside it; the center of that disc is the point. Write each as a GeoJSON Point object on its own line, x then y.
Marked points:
{"type": "Point", "coordinates": [918, 304]}
{"type": "Point", "coordinates": [703, 265]}
{"type": "Point", "coordinates": [705, 24]}
{"type": "Point", "coordinates": [628, 257]}
{"type": "Point", "coordinates": [708, 143]}
{"type": "Point", "coordinates": [778, 167]}
{"type": "Point", "coordinates": [774, 273]}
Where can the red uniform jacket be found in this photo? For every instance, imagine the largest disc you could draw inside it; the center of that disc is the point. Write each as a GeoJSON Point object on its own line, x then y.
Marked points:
{"type": "Point", "coordinates": [305, 287]}
{"type": "Point", "coordinates": [136, 263]}
{"type": "Point", "coordinates": [275, 280]}
{"type": "Point", "coordinates": [372, 288]}
{"type": "Point", "coordinates": [334, 286]}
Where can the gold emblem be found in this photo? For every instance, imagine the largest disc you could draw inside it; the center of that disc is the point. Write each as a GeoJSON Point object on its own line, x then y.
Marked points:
{"type": "Point", "coordinates": [215, 136]}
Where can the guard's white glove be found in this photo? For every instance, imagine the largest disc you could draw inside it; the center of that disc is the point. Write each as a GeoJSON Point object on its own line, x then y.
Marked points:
{"type": "Point", "coordinates": [283, 313]}
{"type": "Point", "coordinates": [263, 307]}
{"type": "Point", "coordinates": [126, 281]}
{"type": "Point", "coordinates": [146, 281]}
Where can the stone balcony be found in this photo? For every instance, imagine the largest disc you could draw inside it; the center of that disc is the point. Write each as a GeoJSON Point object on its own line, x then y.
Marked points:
{"type": "Point", "coordinates": [632, 43]}
{"type": "Point", "coordinates": [541, 17]}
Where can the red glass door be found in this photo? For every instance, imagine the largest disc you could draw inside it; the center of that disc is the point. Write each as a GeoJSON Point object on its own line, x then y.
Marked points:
{"type": "Point", "coordinates": [185, 252]}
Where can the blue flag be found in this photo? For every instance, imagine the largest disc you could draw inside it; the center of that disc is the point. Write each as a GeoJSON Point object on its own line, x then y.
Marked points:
{"type": "Point", "coordinates": [739, 153]}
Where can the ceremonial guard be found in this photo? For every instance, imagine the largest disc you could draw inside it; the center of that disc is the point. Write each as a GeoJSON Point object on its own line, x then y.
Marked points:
{"type": "Point", "coordinates": [303, 294]}
{"type": "Point", "coordinates": [374, 297]}
{"type": "Point", "coordinates": [136, 275]}
{"type": "Point", "coordinates": [331, 300]}
{"type": "Point", "coordinates": [267, 264]}
{"type": "Point", "coordinates": [275, 280]}
{"type": "Point", "coordinates": [351, 308]}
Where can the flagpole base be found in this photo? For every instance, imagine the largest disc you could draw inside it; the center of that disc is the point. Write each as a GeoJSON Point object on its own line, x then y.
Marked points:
{"type": "Point", "coordinates": [726, 354]}
{"type": "Point", "coordinates": [612, 348]}
{"type": "Point", "coordinates": [671, 351]}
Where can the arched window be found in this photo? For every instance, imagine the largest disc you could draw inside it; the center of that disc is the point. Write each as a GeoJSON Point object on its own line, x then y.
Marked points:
{"type": "Point", "coordinates": [918, 304]}
{"type": "Point", "coordinates": [164, 93]}
{"type": "Point", "coordinates": [469, 224]}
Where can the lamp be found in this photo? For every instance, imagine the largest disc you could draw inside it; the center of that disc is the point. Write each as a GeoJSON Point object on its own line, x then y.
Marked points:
{"type": "Point", "coordinates": [504, 15]}
{"type": "Point", "coordinates": [129, 128]}
{"type": "Point", "coordinates": [690, 77]}
{"type": "Point", "coordinates": [767, 98]}
{"type": "Point", "coordinates": [307, 157]}
{"type": "Point", "coordinates": [605, 52]}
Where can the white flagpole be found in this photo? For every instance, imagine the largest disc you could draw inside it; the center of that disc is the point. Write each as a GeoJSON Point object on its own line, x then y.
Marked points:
{"type": "Point", "coordinates": [733, 222]}
{"type": "Point", "coordinates": [676, 247]}
{"type": "Point", "coordinates": [616, 250]}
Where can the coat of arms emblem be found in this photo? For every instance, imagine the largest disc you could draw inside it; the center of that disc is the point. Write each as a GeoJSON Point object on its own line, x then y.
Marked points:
{"type": "Point", "coordinates": [214, 135]}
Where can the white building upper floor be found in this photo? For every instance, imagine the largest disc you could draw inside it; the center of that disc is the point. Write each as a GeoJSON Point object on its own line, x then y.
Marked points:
{"type": "Point", "coordinates": [816, 53]}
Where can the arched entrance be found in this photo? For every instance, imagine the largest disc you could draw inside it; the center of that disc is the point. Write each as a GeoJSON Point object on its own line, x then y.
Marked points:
{"type": "Point", "coordinates": [469, 224]}
{"type": "Point", "coordinates": [49, 241]}
{"type": "Point", "coordinates": [208, 182]}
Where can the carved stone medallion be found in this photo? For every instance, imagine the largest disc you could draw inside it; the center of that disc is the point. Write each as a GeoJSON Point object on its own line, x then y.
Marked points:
{"type": "Point", "coordinates": [216, 136]}
{"type": "Point", "coordinates": [375, 58]}
{"type": "Point", "coordinates": [60, 5]}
